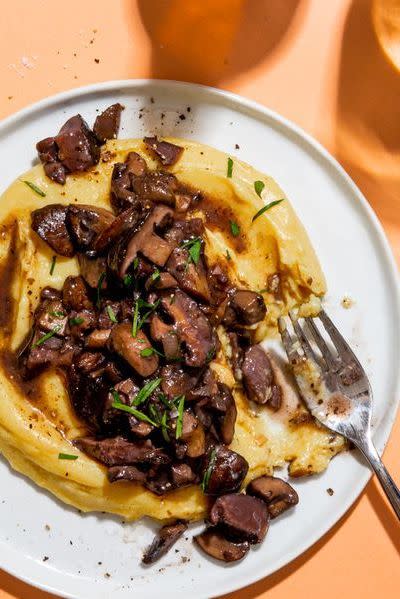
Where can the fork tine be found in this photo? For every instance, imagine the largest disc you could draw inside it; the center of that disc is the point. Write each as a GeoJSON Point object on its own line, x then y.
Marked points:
{"type": "Point", "coordinates": [308, 350]}
{"type": "Point", "coordinates": [288, 343]}
{"type": "Point", "coordinates": [321, 343]}
{"type": "Point", "coordinates": [338, 340]}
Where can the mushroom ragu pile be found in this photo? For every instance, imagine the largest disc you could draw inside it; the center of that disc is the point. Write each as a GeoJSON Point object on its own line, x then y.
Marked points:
{"type": "Point", "coordinates": [135, 333]}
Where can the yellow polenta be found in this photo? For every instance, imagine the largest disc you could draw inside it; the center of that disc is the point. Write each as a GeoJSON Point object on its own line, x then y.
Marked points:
{"type": "Point", "coordinates": [36, 426]}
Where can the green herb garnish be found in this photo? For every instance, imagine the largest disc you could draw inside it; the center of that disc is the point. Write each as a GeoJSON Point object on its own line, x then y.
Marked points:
{"type": "Point", "coordinates": [230, 168]}
{"type": "Point", "coordinates": [34, 188]}
{"type": "Point", "coordinates": [164, 427]}
{"type": "Point", "coordinates": [135, 263]}
{"type": "Point", "coordinates": [193, 247]}
{"type": "Point", "coordinates": [228, 255]}
{"type": "Point", "coordinates": [146, 391]}
{"type": "Point", "coordinates": [135, 319]}
{"type": "Point", "coordinates": [208, 472]}
{"type": "Point", "coordinates": [138, 322]}
{"type": "Point", "coordinates": [128, 280]}
{"type": "Point", "coordinates": [179, 421]}
{"type": "Point", "coordinates": [156, 275]}
{"type": "Point", "coordinates": [53, 264]}
{"type": "Point", "coordinates": [265, 208]}
{"type": "Point", "coordinates": [47, 336]}
{"type": "Point", "coordinates": [258, 187]}
{"type": "Point", "coordinates": [111, 314]}
{"type": "Point", "coordinates": [147, 352]}
{"type": "Point", "coordinates": [67, 456]}
{"type": "Point", "coordinates": [235, 229]}
{"type": "Point", "coordinates": [76, 321]}
{"type": "Point", "coordinates": [57, 314]}
{"type": "Point", "coordinates": [139, 415]}
{"type": "Point", "coordinates": [99, 286]}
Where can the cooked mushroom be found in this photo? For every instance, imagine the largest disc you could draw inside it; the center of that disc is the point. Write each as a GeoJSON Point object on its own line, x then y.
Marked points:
{"type": "Point", "coordinates": [258, 376]}
{"type": "Point", "coordinates": [127, 473]}
{"type": "Point", "coordinates": [164, 280]}
{"type": "Point", "coordinates": [97, 339]}
{"type": "Point", "coordinates": [242, 517]}
{"type": "Point", "coordinates": [106, 125]}
{"type": "Point", "coordinates": [191, 276]}
{"type": "Point", "coordinates": [245, 307]}
{"type": "Point", "coordinates": [176, 381]}
{"type": "Point", "coordinates": [145, 240]}
{"type": "Point", "coordinates": [85, 223]}
{"type": "Point", "coordinates": [126, 220]}
{"type": "Point", "coordinates": [275, 492]}
{"type": "Point", "coordinates": [192, 327]}
{"type": "Point", "coordinates": [131, 349]}
{"type": "Point", "coordinates": [224, 404]}
{"type": "Point", "coordinates": [77, 145]}
{"type": "Point", "coordinates": [182, 475]}
{"type": "Point", "coordinates": [49, 223]}
{"type": "Point", "coordinates": [164, 540]}
{"type": "Point", "coordinates": [75, 294]}
{"type": "Point", "coordinates": [156, 187]}
{"type": "Point", "coordinates": [166, 152]}
{"type": "Point", "coordinates": [213, 542]}
{"type": "Point", "coordinates": [224, 470]}
{"type": "Point", "coordinates": [119, 452]}
{"type": "Point", "coordinates": [92, 269]}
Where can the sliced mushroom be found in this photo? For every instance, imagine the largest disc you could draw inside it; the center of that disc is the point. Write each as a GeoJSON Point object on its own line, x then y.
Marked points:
{"type": "Point", "coordinates": [97, 339]}
{"type": "Point", "coordinates": [75, 294]}
{"type": "Point", "coordinates": [85, 223]}
{"type": "Point", "coordinates": [164, 540]}
{"type": "Point", "coordinates": [225, 471]}
{"type": "Point", "coordinates": [213, 542]}
{"type": "Point", "coordinates": [177, 381]}
{"type": "Point", "coordinates": [258, 376]}
{"type": "Point", "coordinates": [245, 307]}
{"type": "Point", "coordinates": [92, 269]}
{"type": "Point", "coordinates": [224, 404]}
{"type": "Point", "coordinates": [127, 473]}
{"type": "Point", "coordinates": [166, 152]}
{"type": "Point", "coordinates": [275, 492]}
{"type": "Point", "coordinates": [77, 145]}
{"type": "Point", "coordinates": [164, 281]}
{"type": "Point", "coordinates": [119, 452]}
{"type": "Point", "coordinates": [242, 517]}
{"type": "Point", "coordinates": [192, 327]}
{"type": "Point", "coordinates": [182, 475]}
{"type": "Point", "coordinates": [51, 314]}
{"type": "Point", "coordinates": [191, 277]}
{"type": "Point", "coordinates": [130, 349]}
{"type": "Point", "coordinates": [106, 125]}
{"type": "Point", "coordinates": [48, 156]}
{"type": "Point", "coordinates": [145, 240]}
{"type": "Point", "coordinates": [156, 187]}
{"type": "Point", "coordinates": [49, 223]}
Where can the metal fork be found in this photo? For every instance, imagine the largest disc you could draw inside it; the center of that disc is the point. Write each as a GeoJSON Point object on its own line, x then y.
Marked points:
{"type": "Point", "coordinates": [335, 388]}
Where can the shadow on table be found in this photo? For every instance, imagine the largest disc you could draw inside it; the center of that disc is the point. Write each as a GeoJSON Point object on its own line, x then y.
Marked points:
{"type": "Point", "coordinates": [207, 41]}
{"type": "Point", "coordinates": [368, 117]}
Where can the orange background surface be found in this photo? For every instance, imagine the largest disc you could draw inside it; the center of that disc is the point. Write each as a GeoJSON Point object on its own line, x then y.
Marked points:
{"type": "Point", "coordinates": [316, 62]}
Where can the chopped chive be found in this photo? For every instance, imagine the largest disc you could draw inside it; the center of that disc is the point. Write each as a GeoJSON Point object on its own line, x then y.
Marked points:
{"type": "Point", "coordinates": [228, 255]}
{"type": "Point", "coordinates": [135, 319]}
{"type": "Point", "coordinates": [208, 472]}
{"type": "Point", "coordinates": [135, 263]}
{"type": "Point", "coordinates": [53, 264]}
{"type": "Point", "coordinates": [128, 280]}
{"type": "Point", "coordinates": [230, 168]}
{"type": "Point", "coordinates": [265, 208]}
{"type": "Point", "coordinates": [147, 352]}
{"type": "Point", "coordinates": [67, 456]}
{"type": "Point", "coordinates": [76, 320]}
{"type": "Point", "coordinates": [235, 229]}
{"type": "Point", "coordinates": [164, 399]}
{"type": "Point", "coordinates": [34, 188]}
{"type": "Point", "coordinates": [156, 275]}
{"type": "Point", "coordinates": [57, 314]}
{"type": "Point", "coordinates": [47, 336]}
{"type": "Point", "coordinates": [146, 391]}
{"type": "Point", "coordinates": [99, 286]}
{"type": "Point", "coordinates": [179, 422]}
{"type": "Point", "coordinates": [111, 314]}
{"type": "Point", "coordinates": [193, 247]}
{"type": "Point", "coordinates": [164, 427]}
{"type": "Point", "coordinates": [258, 187]}
{"type": "Point", "coordinates": [116, 396]}
{"type": "Point", "coordinates": [139, 415]}
{"type": "Point", "coordinates": [147, 314]}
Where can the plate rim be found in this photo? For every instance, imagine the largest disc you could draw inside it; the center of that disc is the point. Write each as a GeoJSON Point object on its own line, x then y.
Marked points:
{"type": "Point", "coordinates": [318, 149]}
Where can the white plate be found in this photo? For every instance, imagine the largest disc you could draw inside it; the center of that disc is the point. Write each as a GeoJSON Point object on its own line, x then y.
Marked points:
{"type": "Point", "coordinates": [357, 261]}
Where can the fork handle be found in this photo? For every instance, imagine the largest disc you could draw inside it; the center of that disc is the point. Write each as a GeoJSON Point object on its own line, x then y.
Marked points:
{"type": "Point", "coordinates": [388, 485]}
